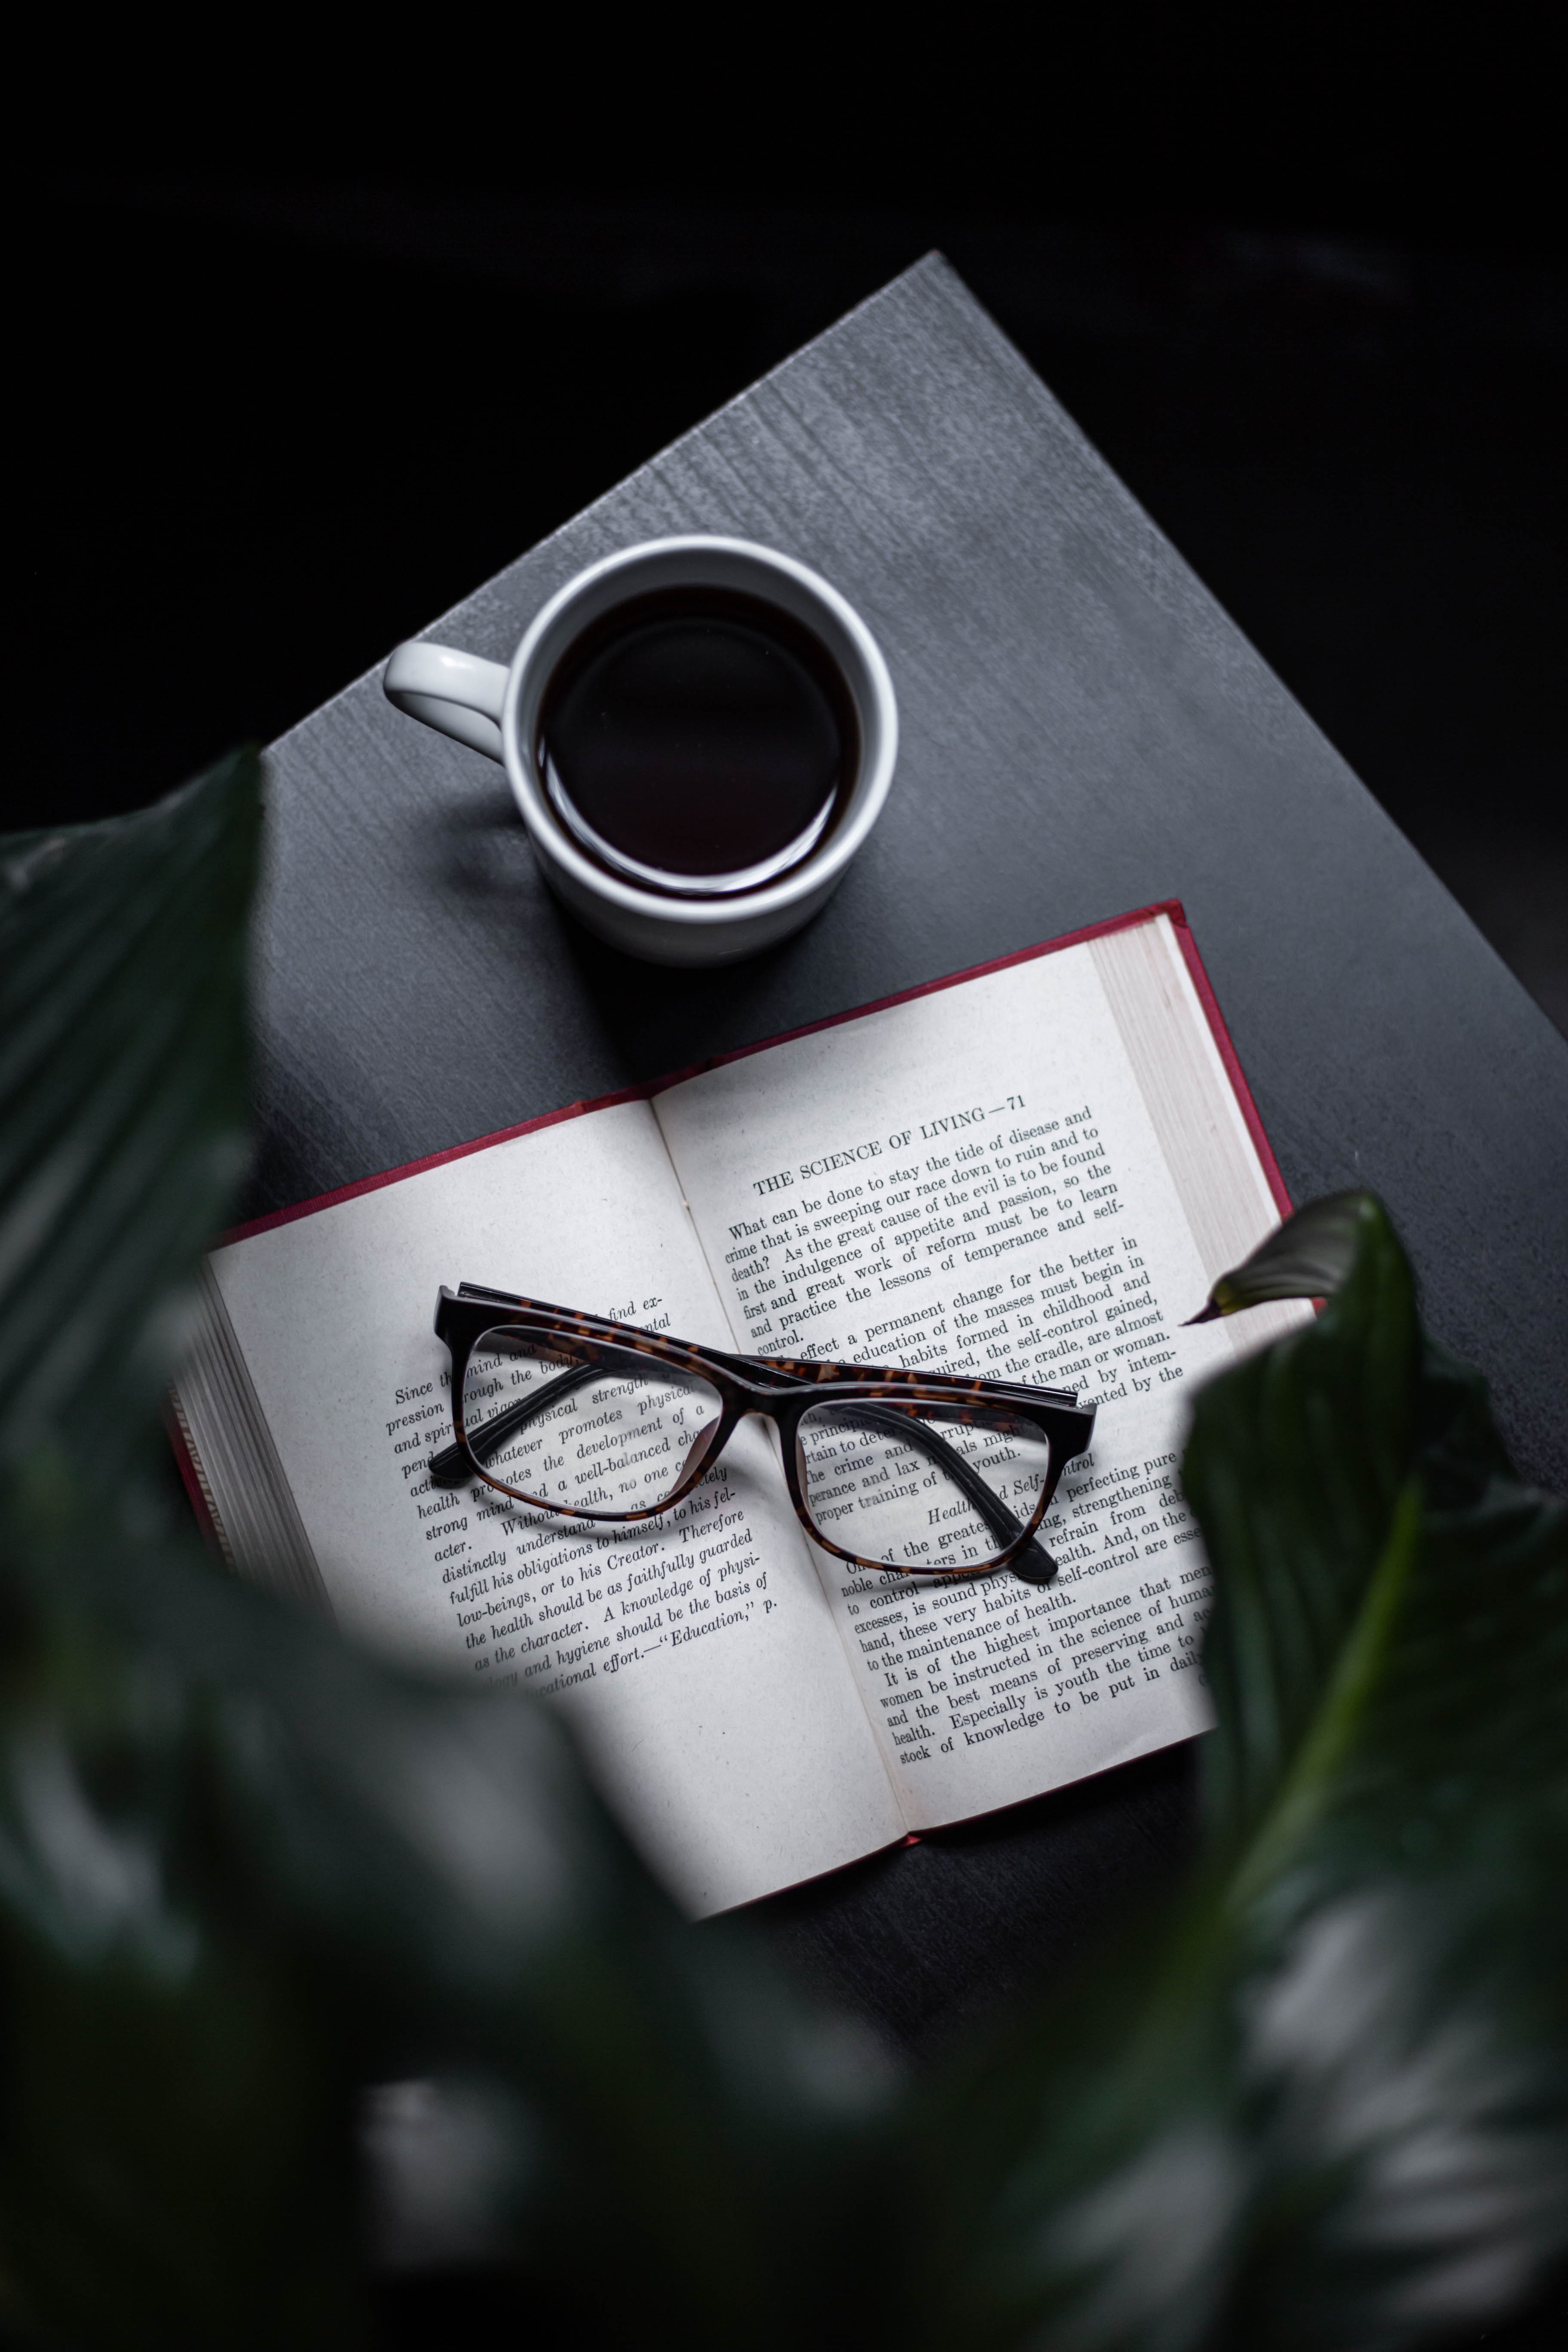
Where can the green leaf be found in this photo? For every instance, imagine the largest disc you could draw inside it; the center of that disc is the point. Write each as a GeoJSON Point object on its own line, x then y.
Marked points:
{"type": "Point", "coordinates": [175, 2163]}
{"type": "Point", "coordinates": [340, 1876]}
{"type": "Point", "coordinates": [1309, 1257]}
{"type": "Point", "coordinates": [246, 1875]}
{"type": "Point", "coordinates": [1326, 2100]}
{"type": "Point", "coordinates": [1294, 1467]}
{"type": "Point", "coordinates": [121, 1105]}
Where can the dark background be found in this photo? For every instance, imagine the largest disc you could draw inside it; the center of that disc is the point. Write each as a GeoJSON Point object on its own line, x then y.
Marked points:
{"type": "Point", "coordinates": [300, 363]}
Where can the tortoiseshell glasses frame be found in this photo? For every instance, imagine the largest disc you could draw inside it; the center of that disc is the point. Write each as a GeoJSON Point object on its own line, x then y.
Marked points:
{"type": "Point", "coordinates": [877, 1398]}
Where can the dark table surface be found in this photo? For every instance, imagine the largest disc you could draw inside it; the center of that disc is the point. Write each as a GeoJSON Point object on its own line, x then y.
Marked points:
{"type": "Point", "coordinates": [1083, 730]}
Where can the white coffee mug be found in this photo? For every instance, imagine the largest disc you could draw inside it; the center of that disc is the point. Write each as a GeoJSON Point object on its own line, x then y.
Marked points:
{"type": "Point", "coordinates": [496, 710]}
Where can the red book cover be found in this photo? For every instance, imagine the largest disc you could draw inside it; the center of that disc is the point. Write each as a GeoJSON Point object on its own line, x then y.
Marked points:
{"type": "Point", "coordinates": [1172, 908]}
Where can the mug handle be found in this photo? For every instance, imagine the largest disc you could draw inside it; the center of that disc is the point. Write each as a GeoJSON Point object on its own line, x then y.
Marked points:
{"type": "Point", "coordinates": [458, 694]}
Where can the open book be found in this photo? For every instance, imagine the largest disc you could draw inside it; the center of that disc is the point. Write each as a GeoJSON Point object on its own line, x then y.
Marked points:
{"type": "Point", "coordinates": [1033, 1170]}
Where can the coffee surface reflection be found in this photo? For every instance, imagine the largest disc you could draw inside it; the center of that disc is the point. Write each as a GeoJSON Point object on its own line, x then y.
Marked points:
{"type": "Point", "coordinates": [698, 740]}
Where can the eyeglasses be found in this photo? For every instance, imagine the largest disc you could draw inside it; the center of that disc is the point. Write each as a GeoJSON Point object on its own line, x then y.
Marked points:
{"type": "Point", "coordinates": [924, 1474]}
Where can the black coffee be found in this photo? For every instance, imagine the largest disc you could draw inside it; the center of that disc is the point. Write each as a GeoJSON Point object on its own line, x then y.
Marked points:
{"type": "Point", "coordinates": [699, 740]}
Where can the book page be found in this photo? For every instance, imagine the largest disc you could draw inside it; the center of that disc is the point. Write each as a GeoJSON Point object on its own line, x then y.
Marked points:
{"type": "Point", "coordinates": [693, 1654]}
{"type": "Point", "coordinates": [976, 1180]}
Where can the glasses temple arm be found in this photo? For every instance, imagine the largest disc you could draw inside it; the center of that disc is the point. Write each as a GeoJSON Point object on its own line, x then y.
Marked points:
{"type": "Point", "coordinates": [1034, 1563]}
{"type": "Point", "coordinates": [453, 1464]}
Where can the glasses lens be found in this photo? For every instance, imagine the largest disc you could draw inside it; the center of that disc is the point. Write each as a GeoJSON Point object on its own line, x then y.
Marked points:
{"type": "Point", "coordinates": [603, 1430]}
{"type": "Point", "coordinates": [921, 1485]}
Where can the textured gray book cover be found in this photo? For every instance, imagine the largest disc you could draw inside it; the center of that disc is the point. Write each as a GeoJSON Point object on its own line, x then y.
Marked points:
{"type": "Point", "coordinates": [1083, 731]}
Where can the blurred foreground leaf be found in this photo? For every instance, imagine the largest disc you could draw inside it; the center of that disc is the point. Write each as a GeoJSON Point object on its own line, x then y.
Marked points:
{"type": "Point", "coordinates": [303, 1959]}
{"type": "Point", "coordinates": [246, 1874]}
{"type": "Point", "coordinates": [1326, 2102]}
{"type": "Point", "coordinates": [121, 1107]}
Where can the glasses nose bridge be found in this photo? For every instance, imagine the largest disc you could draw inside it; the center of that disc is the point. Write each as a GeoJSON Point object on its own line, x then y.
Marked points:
{"type": "Point", "coordinates": [773, 1412]}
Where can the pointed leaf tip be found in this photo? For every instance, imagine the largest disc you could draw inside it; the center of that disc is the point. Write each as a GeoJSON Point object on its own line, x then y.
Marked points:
{"type": "Point", "coordinates": [1309, 1257]}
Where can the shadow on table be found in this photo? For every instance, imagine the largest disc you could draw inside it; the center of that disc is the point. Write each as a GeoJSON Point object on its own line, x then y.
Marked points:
{"type": "Point", "coordinates": [922, 1941]}
{"type": "Point", "coordinates": [651, 1018]}
{"type": "Point", "coordinates": [659, 1019]}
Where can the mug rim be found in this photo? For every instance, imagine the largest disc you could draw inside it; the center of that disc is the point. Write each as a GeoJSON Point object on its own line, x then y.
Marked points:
{"type": "Point", "coordinates": [814, 873]}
